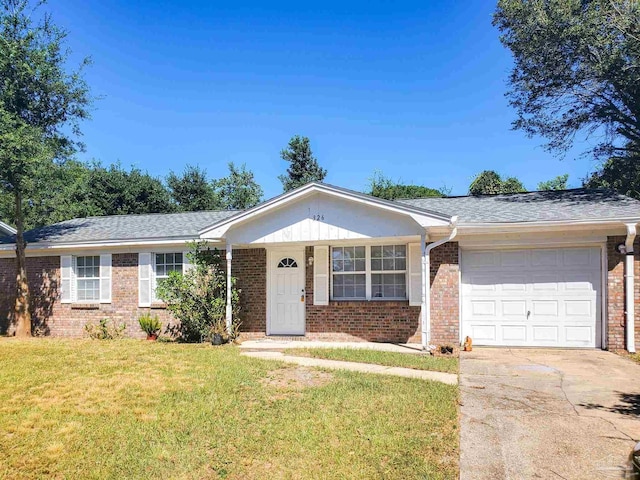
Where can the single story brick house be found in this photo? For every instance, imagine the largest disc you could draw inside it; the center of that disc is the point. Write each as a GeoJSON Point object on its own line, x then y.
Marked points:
{"type": "Point", "coordinates": [546, 269]}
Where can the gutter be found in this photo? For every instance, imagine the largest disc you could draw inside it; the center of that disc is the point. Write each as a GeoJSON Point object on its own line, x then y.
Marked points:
{"type": "Point", "coordinates": [426, 281]}
{"type": "Point", "coordinates": [629, 284]}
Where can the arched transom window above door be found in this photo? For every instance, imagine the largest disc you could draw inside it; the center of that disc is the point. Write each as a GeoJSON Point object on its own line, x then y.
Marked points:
{"type": "Point", "coordinates": [287, 262]}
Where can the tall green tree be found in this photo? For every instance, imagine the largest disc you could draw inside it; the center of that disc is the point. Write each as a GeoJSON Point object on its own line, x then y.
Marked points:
{"type": "Point", "coordinates": [41, 105]}
{"type": "Point", "coordinates": [303, 168]}
{"type": "Point", "coordinates": [576, 72]}
{"type": "Point", "coordinates": [239, 190]}
{"type": "Point", "coordinates": [558, 183]}
{"type": "Point", "coordinates": [114, 190]}
{"type": "Point", "coordinates": [490, 182]}
{"type": "Point", "coordinates": [621, 174]}
{"type": "Point", "coordinates": [192, 191]}
{"type": "Point", "coordinates": [383, 187]}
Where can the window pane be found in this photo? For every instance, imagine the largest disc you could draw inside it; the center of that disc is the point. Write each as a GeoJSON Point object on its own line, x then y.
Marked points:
{"type": "Point", "coordinates": [349, 286]}
{"type": "Point", "coordinates": [160, 271]}
{"type": "Point", "coordinates": [388, 264]}
{"type": "Point", "coordinates": [178, 258]}
{"type": "Point", "coordinates": [338, 266]}
{"type": "Point", "coordinates": [401, 250]}
{"type": "Point", "coordinates": [401, 263]}
{"type": "Point", "coordinates": [360, 265]}
{"type": "Point", "coordinates": [359, 252]}
{"type": "Point", "coordinates": [388, 285]}
{"type": "Point", "coordinates": [376, 252]}
{"type": "Point", "coordinates": [80, 261]}
{"type": "Point", "coordinates": [387, 251]}
{"type": "Point", "coordinates": [376, 264]}
{"type": "Point", "coordinates": [160, 258]}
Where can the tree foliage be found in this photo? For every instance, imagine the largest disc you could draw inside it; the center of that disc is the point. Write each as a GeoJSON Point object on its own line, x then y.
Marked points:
{"type": "Point", "coordinates": [489, 182]}
{"type": "Point", "coordinates": [198, 298]}
{"type": "Point", "coordinates": [303, 168]}
{"type": "Point", "coordinates": [383, 187]}
{"type": "Point", "coordinates": [192, 191]}
{"type": "Point", "coordinates": [621, 174]}
{"type": "Point", "coordinates": [41, 105]}
{"type": "Point", "coordinates": [577, 71]}
{"type": "Point", "coordinates": [558, 183]}
{"type": "Point", "coordinates": [239, 190]}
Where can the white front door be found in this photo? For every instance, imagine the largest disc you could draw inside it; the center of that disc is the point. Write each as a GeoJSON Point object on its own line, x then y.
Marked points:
{"type": "Point", "coordinates": [286, 292]}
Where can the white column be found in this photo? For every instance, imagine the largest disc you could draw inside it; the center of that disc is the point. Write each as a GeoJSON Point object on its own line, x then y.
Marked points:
{"type": "Point", "coordinates": [629, 287]}
{"type": "Point", "coordinates": [426, 304]}
{"type": "Point", "coordinates": [229, 312]}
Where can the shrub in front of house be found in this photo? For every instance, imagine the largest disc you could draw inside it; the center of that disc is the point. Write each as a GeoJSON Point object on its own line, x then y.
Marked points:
{"type": "Point", "coordinates": [198, 297]}
{"type": "Point", "coordinates": [105, 329]}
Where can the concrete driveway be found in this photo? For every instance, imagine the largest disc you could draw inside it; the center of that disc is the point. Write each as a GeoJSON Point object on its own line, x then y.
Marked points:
{"type": "Point", "coordinates": [532, 413]}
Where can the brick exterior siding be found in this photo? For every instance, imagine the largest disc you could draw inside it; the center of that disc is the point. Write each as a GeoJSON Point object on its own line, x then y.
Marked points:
{"type": "Point", "coordinates": [354, 321]}
{"type": "Point", "coordinates": [615, 294]}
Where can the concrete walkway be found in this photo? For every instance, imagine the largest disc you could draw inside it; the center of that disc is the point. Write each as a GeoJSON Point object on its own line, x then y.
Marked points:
{"type": "Point", "coordinates": [448, 378]}
{"type": "Point", "coordinates": [533, 413]}
{"type": "Point", "coordinates": [272, 344]}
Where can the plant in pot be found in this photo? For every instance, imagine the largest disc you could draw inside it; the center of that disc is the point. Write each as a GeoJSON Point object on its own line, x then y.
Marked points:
{"type": "Point", "coordinates": [150, 325]}
{"type": "Point", "coordinates": [218, 332]}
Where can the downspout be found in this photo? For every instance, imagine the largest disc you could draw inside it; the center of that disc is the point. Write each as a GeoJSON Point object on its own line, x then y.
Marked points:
{"type": "Point", "coordinates": [629, 287]}
{"type": "Point", "coordinates": [426, 281]}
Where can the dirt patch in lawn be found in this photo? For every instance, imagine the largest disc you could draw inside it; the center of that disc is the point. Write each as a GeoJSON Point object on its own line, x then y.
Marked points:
{"type": "Point", "coordinates": [295, 379]}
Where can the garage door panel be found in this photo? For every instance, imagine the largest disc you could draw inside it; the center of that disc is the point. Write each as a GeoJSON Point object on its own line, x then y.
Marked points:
{"type": "Point", "coordinates": [484, 333]}
{"type": "Point", "coordinates": [513, 259]}
{"type": "Point", "coordinates": [581, 334]}
{"type": "Point", "coordinates": [514, 308]}
{"type": "Point", "coordinates": [535, 297]}
{"type": "Point", "coordinates": [547, 334]}
{"type": "Point", "coordinates": [514, 333]}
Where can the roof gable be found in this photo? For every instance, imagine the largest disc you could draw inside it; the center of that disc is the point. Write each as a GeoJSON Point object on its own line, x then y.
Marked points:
{"type": "Point", "coordinates": [316, 206]}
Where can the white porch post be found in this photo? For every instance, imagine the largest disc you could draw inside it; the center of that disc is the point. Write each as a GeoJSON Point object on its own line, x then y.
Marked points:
{"type": "Point", "coordinates": [629, 293]}
{"type": "Point", "coordinates": [426, 303]}
{"type": "Point", "coordinates": [229, 312]}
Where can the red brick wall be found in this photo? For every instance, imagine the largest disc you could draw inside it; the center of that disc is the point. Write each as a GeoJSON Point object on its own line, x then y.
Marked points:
{"type": "Point", "coordinates": [391, 321]}
{"type": "Point", "coordinates": [250, 268]}
{"type": "Point", "coordinates": [66, 320]}
{"type": "Point", "coordinates": [616, 295]}
{"type": "Point", "coordinates": [371, 321]}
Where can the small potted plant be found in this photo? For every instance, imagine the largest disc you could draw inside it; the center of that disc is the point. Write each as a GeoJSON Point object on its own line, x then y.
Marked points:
{"type": "Point", "coordinates": [218, 332]}
{"type": "Point", "coordinates": [150, 325]}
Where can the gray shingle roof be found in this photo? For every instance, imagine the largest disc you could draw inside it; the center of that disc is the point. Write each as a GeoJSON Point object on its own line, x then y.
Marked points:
{"type": "Point", "coordinates": [577, 204]}
{"type": "Point", "coordinates": [126, 227]}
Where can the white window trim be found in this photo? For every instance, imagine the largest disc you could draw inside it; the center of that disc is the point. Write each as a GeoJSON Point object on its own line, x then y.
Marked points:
{"type": "Point", "coordinates": [154, 275]}
{"type": "Point", "coordinates": [75, 279]}
{"type": "Point", "coordinates": [368, 272]}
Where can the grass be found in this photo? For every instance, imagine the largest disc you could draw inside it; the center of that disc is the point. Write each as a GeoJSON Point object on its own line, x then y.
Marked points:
{"type": "Point", "coordinates": [137, 409]}
{"type": "Point", "coordinates": [390, 359]}
{"type": "Point", "coordinates": [635, 356]}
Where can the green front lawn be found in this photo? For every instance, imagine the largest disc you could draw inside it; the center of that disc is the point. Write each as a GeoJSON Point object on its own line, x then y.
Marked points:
{"type": "Point", "coordinates": [137, 409]}
{"type": "Point", "coordinates": [390, 359]}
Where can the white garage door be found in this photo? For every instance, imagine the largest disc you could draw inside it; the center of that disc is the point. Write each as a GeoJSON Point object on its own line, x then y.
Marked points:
{"type": "Point", "coordinates": [533, 297]}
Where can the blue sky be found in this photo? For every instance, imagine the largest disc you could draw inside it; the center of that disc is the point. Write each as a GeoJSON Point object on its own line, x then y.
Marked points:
{"type": "Point", "coordinates": [414, 89]}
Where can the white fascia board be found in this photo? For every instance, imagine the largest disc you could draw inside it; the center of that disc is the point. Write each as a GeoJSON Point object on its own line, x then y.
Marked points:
{"type": "Point", "coordinates": [42, 248]}
{"type": "Point", "coordinates": [600, 224]}
{"type": "Point", "coordinates": [422, 217]}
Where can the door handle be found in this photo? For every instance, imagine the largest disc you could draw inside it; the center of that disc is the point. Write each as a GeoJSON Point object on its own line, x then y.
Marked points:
{"type": "Point", "coordinates": [302, 296]}
{"type": "Point", "coordinates": [528, 314]}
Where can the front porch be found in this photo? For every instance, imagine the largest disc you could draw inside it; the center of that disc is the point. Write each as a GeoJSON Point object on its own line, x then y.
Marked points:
{"type": "Point", "coordinates": [333, 265]}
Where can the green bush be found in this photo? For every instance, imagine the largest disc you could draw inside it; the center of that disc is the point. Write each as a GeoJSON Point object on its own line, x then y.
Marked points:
{"type": "Point", "coordinates": [150, 325]}
{"type": "Point", "coordinates": [197, 298]}
{"type": "Point", "coordinates": [105, 330]}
